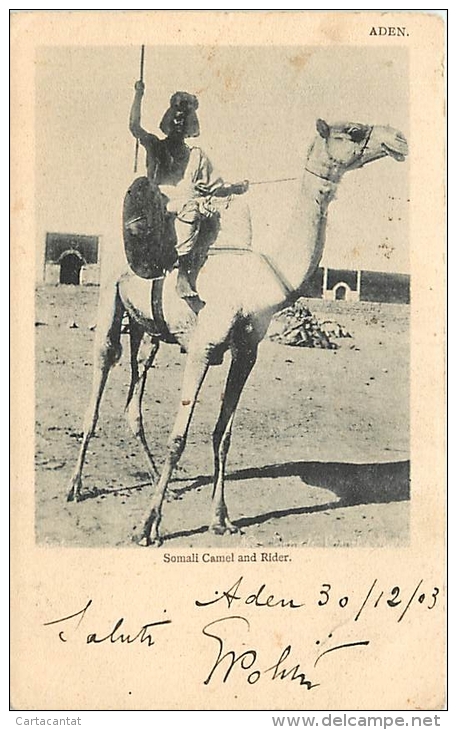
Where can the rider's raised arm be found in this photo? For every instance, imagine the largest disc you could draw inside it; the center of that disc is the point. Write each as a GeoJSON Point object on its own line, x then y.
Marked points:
{"type": "Point", "coordinates": [135, 114]}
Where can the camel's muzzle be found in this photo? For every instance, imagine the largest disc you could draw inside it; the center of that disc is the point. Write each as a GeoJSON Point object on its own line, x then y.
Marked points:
{"type": "Point", "coordinates": [397, 147]}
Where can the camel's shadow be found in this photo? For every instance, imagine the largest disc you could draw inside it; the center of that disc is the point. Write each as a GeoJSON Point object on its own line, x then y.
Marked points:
{"type": "Point", "coordinates": [352, 484]}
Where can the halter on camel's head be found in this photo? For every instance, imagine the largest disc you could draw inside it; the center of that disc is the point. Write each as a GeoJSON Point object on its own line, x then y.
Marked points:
{"type": "Point", "coordinates": [342, 147]}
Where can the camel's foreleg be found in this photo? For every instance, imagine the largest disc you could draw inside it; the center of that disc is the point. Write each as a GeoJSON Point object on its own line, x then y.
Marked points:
{"type": "Point", "coordinates": [107, 352]}
{"type": "Point", "coordinates": [194, 374]}
{"type": "Point", "coordinates": [143, 349]}
{"type": "Point", "coordinates": [243, 360]}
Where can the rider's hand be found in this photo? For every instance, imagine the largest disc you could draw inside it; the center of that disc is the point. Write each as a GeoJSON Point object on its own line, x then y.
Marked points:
{"type": "Point", "coordinates": [241, 187]}
{"type": "Point", "coordinates": [139, 86]}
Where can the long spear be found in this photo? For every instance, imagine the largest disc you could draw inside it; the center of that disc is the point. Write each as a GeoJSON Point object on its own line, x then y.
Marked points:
{"type": "Point", "coordinates": [137, 143]}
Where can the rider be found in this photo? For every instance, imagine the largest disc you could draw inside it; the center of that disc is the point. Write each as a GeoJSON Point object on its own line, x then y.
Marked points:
{"type": "Point", "coordinates": [171, 162]}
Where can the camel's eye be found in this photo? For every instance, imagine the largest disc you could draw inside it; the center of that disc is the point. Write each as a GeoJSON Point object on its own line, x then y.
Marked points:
{"type": "Point", "coordinates": [356, 134]}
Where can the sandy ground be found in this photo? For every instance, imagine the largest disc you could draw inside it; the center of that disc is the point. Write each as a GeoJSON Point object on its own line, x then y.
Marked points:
{"type": "Point", "coordinates": [319, 453]}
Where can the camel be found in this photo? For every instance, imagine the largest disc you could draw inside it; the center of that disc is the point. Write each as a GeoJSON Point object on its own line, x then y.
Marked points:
{"type": "Point", "coordinates": [242, 289]}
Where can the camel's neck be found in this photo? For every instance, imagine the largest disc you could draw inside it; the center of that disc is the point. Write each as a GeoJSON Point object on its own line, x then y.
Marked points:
{"type": "Point", "coordinates": [302, 246]}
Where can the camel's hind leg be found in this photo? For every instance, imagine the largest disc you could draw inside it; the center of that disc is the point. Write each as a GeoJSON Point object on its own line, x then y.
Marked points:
{"type": "Point", "coordinates": [143, 349]}
{"type": "Point", "coordinates": [243, 360]}
{"type": "Point", "coordinates": [107, 352]}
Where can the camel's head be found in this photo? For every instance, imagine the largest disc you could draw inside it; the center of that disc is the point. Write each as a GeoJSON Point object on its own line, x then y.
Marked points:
{"type": "Point", "coordinates": [350, 146]}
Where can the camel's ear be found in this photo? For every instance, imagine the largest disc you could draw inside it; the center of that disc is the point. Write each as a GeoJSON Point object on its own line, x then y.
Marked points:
{"type": "Point", "coordinates": [323, 128]}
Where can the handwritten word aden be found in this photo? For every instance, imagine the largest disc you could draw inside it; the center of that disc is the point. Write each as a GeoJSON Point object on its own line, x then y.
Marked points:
{"type": "Point", "coordinates": [393, 598]}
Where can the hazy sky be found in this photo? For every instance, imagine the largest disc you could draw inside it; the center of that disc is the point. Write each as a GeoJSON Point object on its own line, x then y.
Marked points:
{"type": "Point", "coordinates": [258, 108]}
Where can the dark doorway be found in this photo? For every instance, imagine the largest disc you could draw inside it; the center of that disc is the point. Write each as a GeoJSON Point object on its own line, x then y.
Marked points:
{"type": "Point", "coordinates": [340, 294]}
{"type": "Point", "coordinates": [70, 268]}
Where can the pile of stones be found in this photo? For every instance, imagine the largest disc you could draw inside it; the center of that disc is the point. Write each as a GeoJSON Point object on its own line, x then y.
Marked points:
{"type": "Point", "coordinates": [298, 327]}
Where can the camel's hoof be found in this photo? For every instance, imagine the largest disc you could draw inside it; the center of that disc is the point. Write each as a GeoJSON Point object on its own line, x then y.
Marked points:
{"type": "Point", "coordinates": [143, 541]}
{"type": "Point", "coordinates": [226, 528]}
{"type": "Point", "coordinates": [74, 494]}
{"type": "Point", "coordinates": [146, 541]}
{"type": "Point", "coordinates": [232, 529]}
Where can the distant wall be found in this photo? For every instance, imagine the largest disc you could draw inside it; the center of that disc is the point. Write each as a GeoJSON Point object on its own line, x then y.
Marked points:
{"type": "Point", "coordinates": [375, 286]}
{"type": "Point", "coordinates": [382, 287]}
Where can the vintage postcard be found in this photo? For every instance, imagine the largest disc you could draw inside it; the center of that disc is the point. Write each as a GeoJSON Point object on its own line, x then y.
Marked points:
{"type": "Point", "coordinates": [228, 483]}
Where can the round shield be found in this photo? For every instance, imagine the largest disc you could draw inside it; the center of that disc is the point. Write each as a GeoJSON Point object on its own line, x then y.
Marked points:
{"type": "Point", "coordinates": [144, 228]}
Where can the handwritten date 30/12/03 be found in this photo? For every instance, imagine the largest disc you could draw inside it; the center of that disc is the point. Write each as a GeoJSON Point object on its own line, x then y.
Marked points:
{"type": "Point", "coordinates": [401, 599]}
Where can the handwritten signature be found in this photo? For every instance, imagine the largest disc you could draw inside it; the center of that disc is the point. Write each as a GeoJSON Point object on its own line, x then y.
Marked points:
{"type": "Point", "coordinates": [249, 661]}
{"type": "Point", "coordinates": [115, 635]}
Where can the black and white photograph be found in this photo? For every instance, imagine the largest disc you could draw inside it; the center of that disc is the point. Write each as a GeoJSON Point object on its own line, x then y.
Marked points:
{"type": "Point", "coordinates": [234, 221]}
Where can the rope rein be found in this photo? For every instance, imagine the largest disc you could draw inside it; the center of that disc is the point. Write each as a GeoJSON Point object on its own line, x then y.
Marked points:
{"type": "Point", "coordinates": [271, 182]}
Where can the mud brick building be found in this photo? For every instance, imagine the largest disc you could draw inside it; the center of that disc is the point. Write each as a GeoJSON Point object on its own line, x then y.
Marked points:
{"type": "Point", "coordinates": [71, 258]}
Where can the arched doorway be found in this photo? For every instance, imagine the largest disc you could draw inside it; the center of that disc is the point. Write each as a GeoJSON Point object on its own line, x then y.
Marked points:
{"type": "Point", "coordinates": [71, 264]}
{"type": "Point", "coordinates": [340, 293]}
